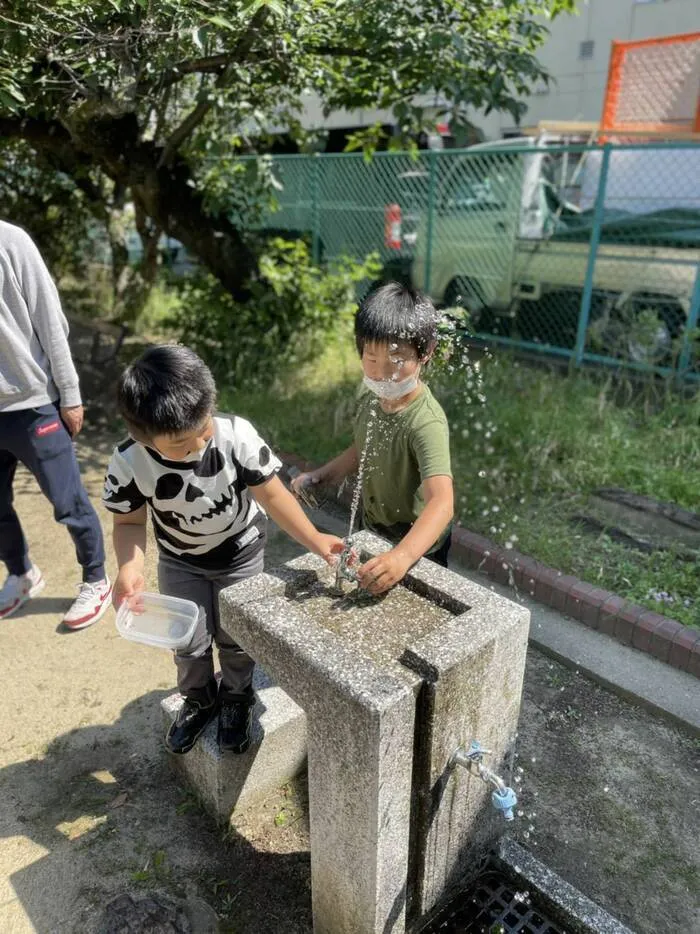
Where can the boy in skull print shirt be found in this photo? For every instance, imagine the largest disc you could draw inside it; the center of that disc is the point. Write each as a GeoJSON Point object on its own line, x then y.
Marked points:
{"type": "Point", "coordinates": [209, 482]}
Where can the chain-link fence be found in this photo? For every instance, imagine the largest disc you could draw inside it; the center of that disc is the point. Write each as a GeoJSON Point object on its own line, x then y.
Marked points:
{"type": "Point", "coordinates": [591, 253]}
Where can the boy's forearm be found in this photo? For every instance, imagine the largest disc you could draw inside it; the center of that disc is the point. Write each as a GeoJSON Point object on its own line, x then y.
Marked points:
{"type": "Point", "coordinates": [283, 509]}
{"type": "Point", "coordinates": [130, 544]}
{"type": "Point", "coordinates": [340, 467]}
{"type": "Point", "coordinates": [426, 530]}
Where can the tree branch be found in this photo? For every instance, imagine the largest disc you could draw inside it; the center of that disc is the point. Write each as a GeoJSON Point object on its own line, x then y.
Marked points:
{"type": "Point", "coordinates": [340, 51]}
{"type": "Point", "coordinates": [214, 64]}
{"type": "Point", "coordinates": [211, 64]}
{"type": "Point", "coordinates": [195, 117]}
{"type": "Point", "coordinates": [50, 135]}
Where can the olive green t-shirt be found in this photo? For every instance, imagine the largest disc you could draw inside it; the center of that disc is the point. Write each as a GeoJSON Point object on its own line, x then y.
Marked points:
{"type": "Point", "coordinates": [405, 448]}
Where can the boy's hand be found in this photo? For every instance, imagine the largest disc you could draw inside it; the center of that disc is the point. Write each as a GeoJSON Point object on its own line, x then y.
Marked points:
{"type": "Point", "coordinates": [382, 572]}
{"type": "Point", "coordinates": [129, 582]}
{"type": "Point", "coordinates": [328, 547]}
{"type": "Point", "coordinates": [302, 487]}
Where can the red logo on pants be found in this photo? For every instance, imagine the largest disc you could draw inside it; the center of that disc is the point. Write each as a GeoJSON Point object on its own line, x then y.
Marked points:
{"type": "Point", "coordinates": [48, 429]}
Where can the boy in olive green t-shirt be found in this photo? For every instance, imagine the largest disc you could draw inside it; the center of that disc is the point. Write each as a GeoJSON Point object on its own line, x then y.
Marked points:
{"type": "Point", "coordinates": [407, 494]}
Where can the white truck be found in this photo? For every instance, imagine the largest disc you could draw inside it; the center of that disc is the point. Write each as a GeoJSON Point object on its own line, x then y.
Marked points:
{"type": "Point", "coordinates": [506, 241]}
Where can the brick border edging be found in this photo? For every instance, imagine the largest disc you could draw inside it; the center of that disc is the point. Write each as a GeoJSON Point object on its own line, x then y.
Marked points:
{"type": "Point", "coordinates": [606, 612]}
{"type": "Point", "coordinates": [602, 610]}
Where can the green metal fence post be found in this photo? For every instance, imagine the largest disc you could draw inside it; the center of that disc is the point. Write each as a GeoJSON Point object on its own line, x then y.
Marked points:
{"type": "Point", "coordinates": [690, 327]}
{"type": "Point", "coordinates": [315, 209]}
{"type": "Point", "coordinates": [432, 156]}
{"type": "Point", "coordinates": [598, 215]}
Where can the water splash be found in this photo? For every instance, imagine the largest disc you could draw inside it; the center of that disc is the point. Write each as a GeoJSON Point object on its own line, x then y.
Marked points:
{"type": "Point", "coordinates": [357, 493]}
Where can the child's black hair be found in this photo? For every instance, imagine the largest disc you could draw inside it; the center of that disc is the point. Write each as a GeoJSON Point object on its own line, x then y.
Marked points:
{"type": "Point", "coordinates": [394, 313]}
{"type": "Point", "coordinates": [167, 391]}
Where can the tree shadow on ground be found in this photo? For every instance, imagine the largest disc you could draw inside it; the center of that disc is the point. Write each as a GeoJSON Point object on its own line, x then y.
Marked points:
{"type": "Point", "coordinates": [99, 813]}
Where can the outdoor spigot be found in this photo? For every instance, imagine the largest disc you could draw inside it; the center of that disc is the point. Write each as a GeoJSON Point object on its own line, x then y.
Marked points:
{"type": "Point", "coordinates": [503, 798]}
{"type": "Point", "coordinates": [343, 569]}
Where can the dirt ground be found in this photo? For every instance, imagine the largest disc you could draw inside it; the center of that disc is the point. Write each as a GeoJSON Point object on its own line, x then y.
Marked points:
{"type": "Point", "coordinates": [89, 807]}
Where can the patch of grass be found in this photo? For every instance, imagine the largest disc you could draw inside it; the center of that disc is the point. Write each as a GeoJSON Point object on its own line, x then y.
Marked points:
{"type": "Point", "coordinates": [155, 869]}
{"type": "Point", "coordinates": [190, 804]}
{"type": "Point", "coordinates": [310, 413]}
{"type": "Point", "coordinates": [529, 445]}
{"type": "Point", "coordinates": [283, 817]}
{"type": "Point", "coordinates": [162, 302]}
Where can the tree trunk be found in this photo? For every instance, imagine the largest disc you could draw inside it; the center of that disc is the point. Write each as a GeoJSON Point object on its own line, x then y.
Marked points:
{"type": "Point", "coordinates": [137, 279]}
{"type": "Point", "coordinates": [116, 233]}
{"type": "Point", "coordinates": [167, 194]}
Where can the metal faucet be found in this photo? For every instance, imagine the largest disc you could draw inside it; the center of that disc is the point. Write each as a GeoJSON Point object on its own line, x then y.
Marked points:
{"type": "Point", "coordinates": [503, 798]}
{"type": "Point", "coordinates": [343, 570]}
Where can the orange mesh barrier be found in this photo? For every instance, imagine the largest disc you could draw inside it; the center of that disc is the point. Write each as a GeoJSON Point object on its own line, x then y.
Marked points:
{"type": "Point", "coordinates": [654, 86]}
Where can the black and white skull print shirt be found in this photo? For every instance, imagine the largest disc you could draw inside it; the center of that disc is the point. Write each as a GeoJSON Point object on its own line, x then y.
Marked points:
{"type": "Point", "coordinates": [201, 507]}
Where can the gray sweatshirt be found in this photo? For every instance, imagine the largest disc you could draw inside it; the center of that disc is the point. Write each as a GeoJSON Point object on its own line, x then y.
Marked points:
{"type": "Point", "coordinates": [35, 363]}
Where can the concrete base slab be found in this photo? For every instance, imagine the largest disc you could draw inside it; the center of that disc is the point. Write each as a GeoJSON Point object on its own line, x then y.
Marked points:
{"type": "Point", "coordinates": [224, 781]}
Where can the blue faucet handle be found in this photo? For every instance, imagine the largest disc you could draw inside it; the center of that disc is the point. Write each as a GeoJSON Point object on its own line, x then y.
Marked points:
{"type": "Point", "coordinates": [476, 751]}
{"type": "Point", "coordinates": [505, 802]}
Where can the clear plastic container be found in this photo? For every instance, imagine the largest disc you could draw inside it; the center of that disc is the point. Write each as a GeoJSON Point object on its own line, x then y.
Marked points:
{"type": "Point", "coordinates": [158, 620]}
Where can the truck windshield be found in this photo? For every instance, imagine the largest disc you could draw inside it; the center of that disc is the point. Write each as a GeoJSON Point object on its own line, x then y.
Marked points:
{"type": "Point", "coordinates": [479, 182]}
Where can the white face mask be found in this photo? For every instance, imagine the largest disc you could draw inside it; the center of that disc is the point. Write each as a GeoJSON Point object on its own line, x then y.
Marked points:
{"type": "Point", "coordinates": [391, 389]}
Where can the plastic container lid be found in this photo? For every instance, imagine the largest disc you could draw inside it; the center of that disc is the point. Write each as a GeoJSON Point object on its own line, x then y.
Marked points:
{"type": "Point", "coordinates": [159, 620]}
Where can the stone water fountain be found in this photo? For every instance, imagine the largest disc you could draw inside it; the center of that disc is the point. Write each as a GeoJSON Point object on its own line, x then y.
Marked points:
{"type": "Point", "coordinates": [393, 688]}
{"type": "Point", "coordinates": [396, 700]}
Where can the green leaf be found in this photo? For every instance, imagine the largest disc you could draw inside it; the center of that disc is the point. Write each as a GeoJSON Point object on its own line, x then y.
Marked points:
{"type": "Point", "coordinates": [221, 22]}
{"type": "Point", "coordinates": [275, 6]}
{"type": "Point", "coordinates": [13, 90]}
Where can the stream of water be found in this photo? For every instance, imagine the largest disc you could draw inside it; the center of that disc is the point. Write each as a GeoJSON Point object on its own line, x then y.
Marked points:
{"type": "Point", "coordinates": [357, 494]}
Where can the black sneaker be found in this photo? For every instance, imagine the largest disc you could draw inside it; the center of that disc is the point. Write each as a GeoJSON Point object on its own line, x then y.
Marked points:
{"type": "Point", "coordinates": [235, 726]}
{"type": "Point", "coordinates": [190, 723]}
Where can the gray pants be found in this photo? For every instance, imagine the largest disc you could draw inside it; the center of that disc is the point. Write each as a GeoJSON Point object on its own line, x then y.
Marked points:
{"type": "Point", "coordinates": [195, 664]}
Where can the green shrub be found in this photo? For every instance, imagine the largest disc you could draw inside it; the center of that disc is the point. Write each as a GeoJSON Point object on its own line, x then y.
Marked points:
{"type": "Point", "coordinates": [294, 306]}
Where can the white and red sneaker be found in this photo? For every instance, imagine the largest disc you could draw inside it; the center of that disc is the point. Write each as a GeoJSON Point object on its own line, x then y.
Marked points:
{"type": "Point", "coordinates": [90, 605]}
{"type": "Point", "coordinates": [18, 588]}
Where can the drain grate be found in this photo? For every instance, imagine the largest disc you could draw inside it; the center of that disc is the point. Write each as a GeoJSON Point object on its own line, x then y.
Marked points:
{"type": "Point", "coordinates": [493, 906]}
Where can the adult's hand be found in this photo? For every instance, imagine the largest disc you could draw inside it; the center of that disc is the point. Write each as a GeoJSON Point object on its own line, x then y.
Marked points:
{"type": "Point", "coordinates": [72, 417]}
